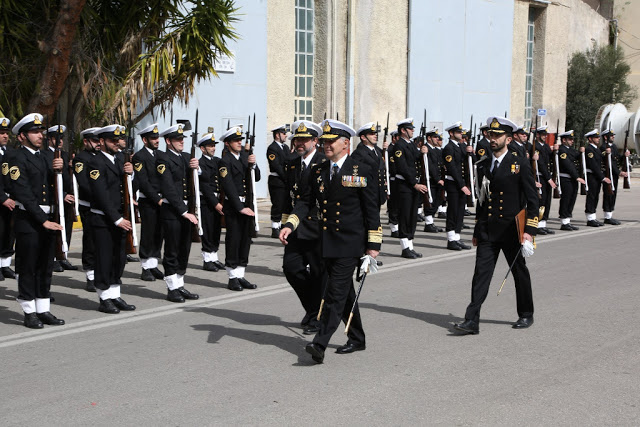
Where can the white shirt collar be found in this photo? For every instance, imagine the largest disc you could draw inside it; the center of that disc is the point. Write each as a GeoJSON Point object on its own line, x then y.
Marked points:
{"type": "Point", "coordinates": [175, 152]}
{"type": "Point", "coordinates": [110, 157]}
{"type": "Point", "coordinates": [51, 148]}
{"type": "Point", "coordinates": [207, 156]}
{"type": "Point", "coordinates": [30, 150]}
{"type": "Point", "coordinates": [594, 145]}
{"type": "Point", "coordinates": [499, 159]}
{"type": "Point", "coordinates": [152, 152]}
{"type": "Point", "coordinates": [340, 162]}
{"type": "Point", "coordinates": [237, 156]}
{"type": "Point", "coordinates": [307, 160]}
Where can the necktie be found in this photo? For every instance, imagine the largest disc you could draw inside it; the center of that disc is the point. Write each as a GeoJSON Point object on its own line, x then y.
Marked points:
{"type": "Point", "coordinates": [334, 170]}
{"type": "Point", "coordinates": [304, 166]}
{"type": "Point", "coordinates": [495, 168]}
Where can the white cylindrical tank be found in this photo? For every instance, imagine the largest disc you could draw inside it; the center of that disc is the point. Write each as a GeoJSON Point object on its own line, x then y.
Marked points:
{"type": "Point", "coordinates": [619, 119]}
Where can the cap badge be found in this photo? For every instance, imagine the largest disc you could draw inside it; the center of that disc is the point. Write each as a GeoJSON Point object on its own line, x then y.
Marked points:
{"type": "Point", "coordinates": [5, 122]}
{"type": "Point", "coordinates": [302, 128]}
{"type": "Point", "coordinates": [239, 132]}
{"type": "Point", "coordinates": [326, 128]}
{"type": "Point", "coordinates": [36, 120]}
{"type": "Point", "coordinates": [116, 132]}
{"type": "Point", "coordinates": [495, 124]}
{"type": "Point", "coordinates": [180, 129]}
{"type": "Point", "coordinates": [155, 129]}
{"type": "Point", "coordinates": [373, 128]}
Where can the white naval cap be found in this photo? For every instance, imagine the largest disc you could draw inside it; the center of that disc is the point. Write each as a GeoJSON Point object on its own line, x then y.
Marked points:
{"type": "Point", "coordinates": [150, 131]}
{"type": "Point", "coordinates": [27, 123]}
{"type": "Point", "coordinates": [566, 134]}
{"type": "Point", "coordinates": [592, 133]}
{"type": "Point", "coordinates": [607, 132]}
{"type": "Point", "coordinates": [393, 133]}
{"type": "Point", "coordinates": [281, 128]}
{"type": "Point", "coordinates": [368, 128]}
{"type": "Point", "coordinates": [207, 139]}
{"type": "Point", "coordinates": [542, 129]}
{"type": "Point", "coordinates": [4, 123]}
{"type": "Point", "coordinates": [173, 132]}
{"type": "Point", "coordinates": [432, 131]}
{"type": "Point", "coordinates": [89, 132]}
{"type": "Point", "coordinates": [501, 125]}
{"type": "Point", "coordinates": [54, 129]}
{"type": "Point", "coordinates": [406, 123]}
{"type": "Point", "coordinates": [233, 133]}
{"type": "Point", "coordinates": [110, 132]}
{"type": "Point", "coordinates": [332, 129]}
{"type": "Point", "coordinates": [305, 129]}
{"type": "Point", "coordinates": [456, 127]}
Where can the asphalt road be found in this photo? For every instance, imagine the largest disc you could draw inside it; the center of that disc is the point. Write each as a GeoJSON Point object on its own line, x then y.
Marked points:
{"type": "Point", "coordinates": [238, 358]}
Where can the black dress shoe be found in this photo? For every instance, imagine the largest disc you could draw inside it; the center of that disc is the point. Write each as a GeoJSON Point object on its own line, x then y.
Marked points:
{"type": "Point", "coordinates": [219, 265]}
{"type": "Point", "coordinates": [467, 212]}
{"type": "Point", "coordinates": [275, 233]}
{"type": "Point", "coordinates": [49, 319]}
{"type": "Point", "coordinates": [1, 278]}
{"type": "Point", "coordinates": [186, 294]}
{"type": "Point", "coordinates": [246, 284]}
{"type": "Point", "coordinates": [122, 304]}
{"type": "Point", "coordinates": [611, 221]}
{"type": "Point", "coordinates": [468, 327]}
{"type": "Point", "coordinates": [541, 232]}
{"type": "Point", "coordinates": [107, 306]}
{"type": "Point", "coordinates": [395, 234]}
{"type": "Point", "coordinates": [574, 227]}
{"type": "Point", "coordinates": [307, 319]}
{"type": "Point", "coordinates": [234, 285]}
{"type": "Point", "coordinates": [147, 275]}
{"type": "Point", "coordinates": [174, 295]}
{"type": "Point", "coordinates": [452, 245]}
{"type": "Point", "coordinates": [57, 268]}
{"type": "Point", "coordinates": [442, 215]}
{"type": "Point", "coordinates": [421, 217]}
{"type": "Point", "coordinates": [32, 321]}
{"type": "Point", "coordinates": [67, 265]}
{"type": "Point", "coordinates": [549, 231]}
{"type": "Point", "coordinates": [311, 328]}
{"type": "Point", "coordinates": [90, 286]}
{"type": "Point", "coordinates": [350, 348]}
{"type": "Point", "coordinates": [209, 266]}
{"type": "Point", "coordinates": [8, 273]}
{"type": "Point", "coordinates": [523, 323]}
{"type": "Point", "coordinates": [465, 227]}
{"type": "Point", "coordinates": [463, 245]}
{"type": "Point", "coordinates": [593, 223]}
{"type": "Point", "coordinates": [131, 258]}
{"type": "Point", "coordinates": [379, 263]}
{"type": "Point", "coordinates": [417, 254]}
{"type": "Point", "coordinates": [431, 228]}
{"type": "Point", "coordinates": [157, 273]}
{"type": "Point", "coordinates": [316, 352]}
{"type": "Point", "coordinates": [566, 227]}
{"type": "Point", "coordinates": [407, 253]}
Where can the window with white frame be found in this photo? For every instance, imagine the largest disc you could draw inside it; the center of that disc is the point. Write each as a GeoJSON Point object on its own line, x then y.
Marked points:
{"type": "Point", "coordinates": [528, 89]}
{"type": "Point", "coordinates": [304, 60]}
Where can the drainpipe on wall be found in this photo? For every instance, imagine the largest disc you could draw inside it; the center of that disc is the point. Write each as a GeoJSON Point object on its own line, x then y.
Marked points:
{"type": "Point", "coordinates": [350, 110]}
{"type": "Point", "coordinates": [408, 58]}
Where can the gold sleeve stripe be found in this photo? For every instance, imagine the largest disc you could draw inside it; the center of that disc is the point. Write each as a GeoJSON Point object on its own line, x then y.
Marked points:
{"type": "Point", "coordinates": [284, 219]}
{"type": "Point", "coordinates": [294, 220]}
{"type": "Point", "coordinates": [375, 236]}
{"type": "Point", "coordinates": [532, 222]}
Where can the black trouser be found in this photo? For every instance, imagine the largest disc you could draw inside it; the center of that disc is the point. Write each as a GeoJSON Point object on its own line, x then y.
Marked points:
{"type": "Point", "coordinates": [545, 200]}
{"type": "Point", "coordinates": [407, 202]}
{"type": "Point", "coordinates": [278, 194]}
{"type": "Point", "coordinates": [306, 282]}
{"type": "Point", "coordinates": [569, 187]}
{"type": "Point", "coordinates": [69, 219]}
{"type": "Point", "coordinates": [593, 194]}
{"type": "Point", "coordinates": [609, 200]}
{"type": "Point", "coordinates": [457, 203]}
{"type": "Point", "coordinates": [486, 257]}
{"type": "Point", "coordinates": [110, 254]}
{"type": "Point", "coordinates": [177, 244]}
{"type": "Point", "coordinates": [34, 259]}
{"type": "Point", "coordinates": [88, 245]}
{"type": "Point", "coordinates": [237, 240]}
{"type": "Point", "coordinates": [436, 197]}
{"type": "Point", "coordinates": [392, 208]}
{"type": "Point", "coordinates": [7, 235]}
{"type": "Point", "coordinates": [150, 229]}
{"type": "Point", "coordinates": [211, 229]}
{"type": "Point", "coordinates": [338, 302]}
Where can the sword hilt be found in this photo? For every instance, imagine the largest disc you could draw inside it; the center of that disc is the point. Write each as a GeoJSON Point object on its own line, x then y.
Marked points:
{"type": "Point", "coordinates": [346, 329]}
{"type": "Point", "coordinates": [320, 310]}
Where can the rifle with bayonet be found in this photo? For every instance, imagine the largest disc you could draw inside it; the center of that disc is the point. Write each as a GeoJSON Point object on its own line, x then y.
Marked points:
{"type": "Point", "coordinates": [532, 159]}
{"type": "Point", "coordinates": [610, 187]}
{"type": "Point", "coordinates": [193, 204]}
{"type": "Point", "coordinates": [74, 181]}
{"type": "Point", "coordinates": [427, 200]}
{"type": "Point", "coordinates": [385, 152]}
{"type": "Point", "coordinates": [62, 248]}
{"type": "Point", "coordinates": [627, 167]}
{"type": "Point", "coordinates": [584, 188]}
{"type": "Point", "coordinates": [469, 178]}
{"type": "Point", "coordinates": [128, 200]}
{"type": "Point", "coordinates": [557, 192]}
{"type": "Point", "coordinates": [251, 200]}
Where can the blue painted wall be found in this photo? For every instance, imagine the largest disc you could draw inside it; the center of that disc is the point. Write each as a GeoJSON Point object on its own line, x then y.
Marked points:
{"type": "Point", "coordinates": [459, 60]}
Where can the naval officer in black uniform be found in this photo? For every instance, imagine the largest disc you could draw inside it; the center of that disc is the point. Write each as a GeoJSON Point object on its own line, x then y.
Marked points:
{"type": "Point", "coordinates": [617, 160]}
{"type": "Point", "coordinates": [173, 167]}
{"type": "Point", "coordinates": [507, 188]}
{"type": "Point", "coordinates": [392, 209]}
{"type": "Point", "coordinates": [7, 204]}
{"type": "Point", "coordinates": [436, 182]}
{"type": "Point", "coordinates": [368, 152]}
{"type": "Point", "coordinates": [545, 180]}
{"type": "Point", "coordinates": [32, 176]}
{"type": "Point", "coordinates": [595, 176]}
{"type": "Point", "coordinates": [233, 174]}
{"type": "Point", "coordinates": [570, 177]}
{"type": "Point", "coordinates": [147, 180]}
{"type": "Point", "coordinates": [351, 228]}
{"type": "Point", "coordinates": [277, 155]}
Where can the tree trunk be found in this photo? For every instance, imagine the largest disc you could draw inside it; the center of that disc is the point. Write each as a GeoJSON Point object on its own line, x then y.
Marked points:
{"type": "Point", "coordinates": [58, 51]}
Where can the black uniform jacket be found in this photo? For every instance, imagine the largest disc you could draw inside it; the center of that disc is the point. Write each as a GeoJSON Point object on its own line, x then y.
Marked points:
{"type": "Point", "coordinates": [173, 172]}
{"type": "Point", "coordinates": [593, 157]}
{"type": "Point", "coordinates": [31, 185]}
{"type": "Point", "coordinates": [569, 161]}
{"type": "Point", "coordinates": [406, 158]}
{"type": "Point", "coordinates": [106, 184]}
{"type": "Point", "coordinates": [66, 176]}
{"type": "Point", "coordinates": [81, 170]}
{"type": "Point", "coordinates": [5, 180]}
{"type": "Point", "coordinates": [277, 159]}
{"type": "Point", "coordinates": [544, 161]}
{"type": "Point", "coordinates": [348, 207]}
{"type": "Point", "coordinates": [483, 147]}
{"type": "Point", "coordinates": [232, 176]}
{"type": "Point", "coordinates": [309, 226]}
{"type": "Point", "coordinates": [147, 179]}
{"type": "Point", "coordinates": [511, 189]}
{"type": "Point", "coordinates": [455, 160]}
{"type": "Point", "coordinates": [521, 150]}
{"type": "Point", "coordinates": [375, 161]}
{"type": "Point", "coordinates": [615, 158]}
{"type": "Point", "coordinates": [209, 186]}
{"type": "Point", "coordinates": [435, 165]}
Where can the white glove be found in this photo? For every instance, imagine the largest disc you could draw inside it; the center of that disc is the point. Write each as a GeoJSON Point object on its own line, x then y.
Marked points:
{"type": "Point", "coordinates": [369, 264]}
{"type": "Point", "coordinates": [527, 249]}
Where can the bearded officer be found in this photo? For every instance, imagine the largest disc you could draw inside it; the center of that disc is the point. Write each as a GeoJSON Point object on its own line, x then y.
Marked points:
{"type": "Point", "coordinates": [173, 168]}
{"type": "Point", "coordinates": [368, 152]}
{"type": "Point", "coordinates": [302, 261]}
{"type": "Point", "coordinates": [7, 204]}
{"type": "Point", "coordinates": [507, 188]}
{"type": "Point", "coordinates": [351, 228]}
{"type": "Point", "coordinates": [32, 176]}
{"type": "Point", "coordinates": [435, 181]}
{"type": "Point", "coordinates": [609, 200]}
{"type": "Point", "coordinates": [211, 208]}
{"type": "Point", "coordinates": [569, 164]}
{"type": "Point", "coordinates": [277, 155]}
{"type": "Point", "coordinates": [545, 180]}
{"type": "Point", "coordinates": [595, 176]}
{"type": "Point", "coordinates": [149, 203]}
